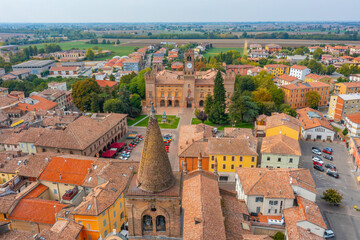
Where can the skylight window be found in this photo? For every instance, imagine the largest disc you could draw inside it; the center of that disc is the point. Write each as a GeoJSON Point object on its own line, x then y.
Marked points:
{"type": "Point", "coordinates": [89, 179]}
{"type": "Point", "coordinates": [18, 163]}
{"type": "Point", "coordinates": [95, 167]}
{"type": "Point", "coordinates": [88, 207]}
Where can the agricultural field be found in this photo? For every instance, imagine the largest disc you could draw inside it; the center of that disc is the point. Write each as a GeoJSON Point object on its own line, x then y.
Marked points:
{"type": "Point", "coordinates": [117, 50]}
{"type": "Point", "coordinates": [214, 51]}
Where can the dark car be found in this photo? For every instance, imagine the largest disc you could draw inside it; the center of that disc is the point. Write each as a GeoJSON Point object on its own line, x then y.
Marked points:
{"type": "Point", "coordinates": [332, 173]}
{"type": "Point", "coordinates": [316, 148]}
{"type": "Point", "coordinates": [319, 168]}
{"type": "Point", "coordinates": [328, 157]}
{"type": "Point", "coordinates": [330, 166]}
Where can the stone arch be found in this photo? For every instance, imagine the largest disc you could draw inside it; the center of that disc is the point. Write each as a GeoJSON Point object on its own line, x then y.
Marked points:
{"type": "Point", "coordinates": [162, 103]}
{"type": "Point", "coordinates": [160, 223]}
{"type": "Point", "coordinates": [176, 103]}
{"type": "Point", "coordinates": [169, 103]}
{"type": "Point", "coordinates": [147, 223]}
{"type": "Point", "coordinates": [201, 103]}
{"type": "Point", "coordinates": [154, 211]}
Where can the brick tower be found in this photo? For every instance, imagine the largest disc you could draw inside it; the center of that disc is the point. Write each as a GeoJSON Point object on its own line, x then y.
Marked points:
{"type": "Point", "coordinates": [153, 199]}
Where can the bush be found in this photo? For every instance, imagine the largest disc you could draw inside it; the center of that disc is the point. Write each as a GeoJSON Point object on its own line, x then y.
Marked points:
{"type": "Point", "coordinates": [279, 236]}
{"type": "Point", "coordinates": [345, 131]}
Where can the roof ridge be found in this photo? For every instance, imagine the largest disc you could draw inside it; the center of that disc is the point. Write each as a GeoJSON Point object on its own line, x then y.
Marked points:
{"type": "Point", "coordinates": [69, 127]}
{"type": "Point", "coordinates": [261, 176]}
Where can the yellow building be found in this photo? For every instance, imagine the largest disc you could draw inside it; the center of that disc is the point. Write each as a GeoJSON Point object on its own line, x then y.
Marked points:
{"type": "Point", "coordinates": [9, 166]}
{"type": "Point", "coordinates": [102, 211]}
{"type": "Point", "coordinates": [283, 124]}
{"type": "Point", "coordinates": [229, 153]}
{"type": "Point", "coordinates": [28, 139]}
{"type": "Point", "coordinates": [347, 87]}
{"type": "Point", "coordinates": [317, 78]}
{"type": "Point", "coordinates": [277, 69]}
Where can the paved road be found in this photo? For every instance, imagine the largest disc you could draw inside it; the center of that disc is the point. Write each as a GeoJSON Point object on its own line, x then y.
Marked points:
{"type": "Point", "coordinates": [343, 220]}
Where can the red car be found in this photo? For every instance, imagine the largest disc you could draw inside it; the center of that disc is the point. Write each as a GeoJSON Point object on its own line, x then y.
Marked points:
{"type": "Point", "coordinates": [327, 150]}
{"type": "Point", "coordinates": [319, 163]}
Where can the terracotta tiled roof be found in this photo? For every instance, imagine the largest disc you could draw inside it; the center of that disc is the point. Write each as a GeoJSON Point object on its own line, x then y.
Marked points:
{"type": "Point", "coordinates": [282, 119]}
{"type": "Point", "coordinates": [233, 146]}
{"type": "Point", "coordinates": [239, 66]}
{"type": "Point", "coordinates": [9, 164]}
{"type": "Point", "coordinates": [349, 84]}
{"type": "Point", "coordinates": [16, 235]}
{"type": "Point", "coordinates": [64, 68]}
{"type": "Point", "coordinates": [36, 210]}
{"type": "Point", "coordinates": [43, 104]}
{"type": "Point", "coordinates": [297, 214]}
{"type": "Point", "coordinates": [281, 144]}
{"type": "Point", "coordinates": [13, 138]}
{"type": "Point", "coordinates": [36, 191]}
{"type": "Point", "coordinates": [299, 67]}
{"type": "Point", "coordinates": [132, 60]}
{"type": "Point", "coordinates": [195, 148]}
{"type": "Point", "coordinates": [203, 218]}
{"type": "Point", "coordinates": [276, 66]}
{"type": "Point", "coordinates": [104, 83]}
{"type": "Point", "coordinates": [81, 133]}
{"type": "Point", "coordinates": [62, 230]}
{"type": "Point", "coordinates": [6, 101]}
{"type": "Point", "coordinates": [190, 134]}
{"type": "Point", "coordinates": [354, 117]}
{"type": "Point", "coordinates": [35, 165]}
{"type": "Point", "coordinates": [274, 183]}
{"type": "Point", "coordinates": [287, 78]}
{"type": "Point", "coordinates": [315, 76]}
{"type": "Point", "coordinates": [66, 170]}
{"type": "Point", "coordinates": [236, 216]}
{"type": "Point", "coordinates": [308, 123]}
{"type": "Point", "coordinates": [31, 135]}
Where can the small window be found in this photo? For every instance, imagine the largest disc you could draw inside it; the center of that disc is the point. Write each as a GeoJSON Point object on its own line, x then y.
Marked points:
{"type": "Point", "coordinates": [120, 205]}
{"type": "Point", "coordinates": [275, 211]}
{"type": "Point", "coordinates": [224, 158]}
{"type": "Point", "coordinates": [212, 158]}
{"type": "Point", "coordinates": [241, 158]}
{"type": "Point", "coordinates": [233, 158]}
{"type": "Point", "coordinates": [122, 215]}
{"type": "Point", "coordinates": [268, 158]}
{"type": "Point", "coordinates": [290, 160]}
{"type": "Point", "coordinates": [240, 165]}
{"type": "Point", "coordinates": [252, 159]}
{"type": "Point", "coordinates": [104, 223]}
{"type": "Point", "coordinates": [252, 166]}
{"type": "Point", "coordinates": [212, 166]}
{"type": "Point", "coordinates": [55, 191]}
{"type": "Point", "coordinates": [269, 211]}
{"type": "Point", "coordinates": [232, 166]}
{"type": "Point", "coordinates": [279, 159]}
{"type": "Point", "coordinates": [224, 166]}
{"type": "Point", "coordinates": [114, 214]}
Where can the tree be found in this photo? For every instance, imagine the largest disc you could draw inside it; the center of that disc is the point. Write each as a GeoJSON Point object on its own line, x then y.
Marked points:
{"type": "Point", "coordinates": [262, 95]}
{"type": "Point", "coordinates": [95, 103]}
{"type": "Point", "coordinates": [103, 41]}
{"type": "Point", "coordinates": [313, 99]}
{"type": "Point", "coordinates": [299, 51]}
{"type": "Point", "coordinates": [317, 54]}
{"type": "Point", "coordinates": [135, 102]}
{"type": "Point", "coordinates": [117, 42]}
{"type": "Point", "coordinates": [330, 69]}
{"type": "Point", "coordinates": [217, 113]}
{"type": "Point", "coordinates": [114, 106]}
{"type": "Point", "coordinates": [277, 95]}
{"type": "Point", "coordinates": [208, 103]}
{"type": "Point", "coordinates": [345, 131]}
{"type": "Point", "coordinates": [332, 196]}
{"type": "Point", "coordinates": [279, 236]}
{"type": "Point", "coordinates": [90, 55]}
{"type": "Point", "coordinates": [242, 108]}
{"type": "Point", "coordinates": [112, 77]}
{"type": "Point", "coordinates": [202, 116]}
{"type": "Point", "coordinates": [264, 79]}
{"type": "Point", "coordinates": [290, 111]}
{"type": "Point", "coordinates": [82, 93]}
{"type": "Point", "coordinates": [244, 83]}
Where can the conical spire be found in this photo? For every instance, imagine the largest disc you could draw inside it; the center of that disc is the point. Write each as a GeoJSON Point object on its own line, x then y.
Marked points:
{"type": "Point", "coordinates": [155, 173]}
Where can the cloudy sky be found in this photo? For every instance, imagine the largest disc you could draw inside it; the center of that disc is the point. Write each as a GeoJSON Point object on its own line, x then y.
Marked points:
{"type": "Point", "coordinates": [178, 11]}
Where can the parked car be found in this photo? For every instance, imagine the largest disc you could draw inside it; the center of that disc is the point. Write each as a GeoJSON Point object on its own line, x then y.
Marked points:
{"type": "Point", "coordinates": [330, 166]}
{"type": "Point", "coordinates": [327, 150]}
{"type": "Point", "coordinates": [319, 168]}
{"type": "Point", "coordinates": [319, 163]}
{"type": "Point", "coordinates": [329, 234]}
{"type": "Point", "coordinates": [332, 173]}
{"type": "Point", "coordinates": [328, 157]}
{"type": "Point", "coordinates": [317, 152]}
{"type": "Point", "coordinates": [316, 158]}
{"type": "Point", "coordinates": [316, 148]}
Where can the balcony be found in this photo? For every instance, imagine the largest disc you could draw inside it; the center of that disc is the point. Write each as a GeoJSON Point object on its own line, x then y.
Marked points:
{"type": "Point", "coordinates": [73, 196]}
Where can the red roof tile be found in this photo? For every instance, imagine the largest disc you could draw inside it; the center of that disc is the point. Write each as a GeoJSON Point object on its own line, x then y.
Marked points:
{"type": "Point", "coordinates": [36, 210]}
{"type": "Point", "coordinates": [299, 67]}
{"type": "Point", "coordinates": [104, 83]}
{"type": "Point", "coordinates": [37, 191]}
{"type": "Point", "coordinates": [43, 104]}
{"type": "Point", "coordinates": [66, 170]}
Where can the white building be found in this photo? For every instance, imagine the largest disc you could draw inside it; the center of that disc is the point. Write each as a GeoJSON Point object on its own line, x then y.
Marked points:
{"type": "Point", "coordinates": [64, 71]}
{"type": "Point", "coordinates": [270, 191]}
{"type": "Point", "coordinates": [352, 123]}
{"type": "Point", "coordinates": [299, 72]}
{"type": "Point", "coordinates": [58, 86]}
{"type": "Point", "coordinates": [354, 78]}
{"type": "Point", "coordinates": [2, 72]}
{"type": "Point", "coordinates": [314, 125]}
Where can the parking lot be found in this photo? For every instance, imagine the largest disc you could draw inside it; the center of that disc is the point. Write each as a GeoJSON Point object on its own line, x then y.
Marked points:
{"type": "Point", "coordinates": [343, 220]}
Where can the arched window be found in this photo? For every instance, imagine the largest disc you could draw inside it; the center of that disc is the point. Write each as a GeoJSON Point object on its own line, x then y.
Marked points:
{"type": "Point", "coordinates": [201, 103]}
{"type": "Point", "coordinates": [160, 224]}
{"type": "Point", "coordinates": [162, 103]}
{"type": "Point", "coordinates": [147, 223]}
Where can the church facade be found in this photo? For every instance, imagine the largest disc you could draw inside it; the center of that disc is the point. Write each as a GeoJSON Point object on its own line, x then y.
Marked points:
{"type": "Point", "coordinates": [187, 88]}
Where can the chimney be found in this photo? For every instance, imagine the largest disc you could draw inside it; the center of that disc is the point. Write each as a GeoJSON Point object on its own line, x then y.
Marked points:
{"type": "Point", "coordinates": [200, 161]}
{"type": "Point", "coordinates": [268, 193]}
{"type": "Point", "coordinates": [306, 209]}
{"type": "Point", "coordinates": [280, 192]}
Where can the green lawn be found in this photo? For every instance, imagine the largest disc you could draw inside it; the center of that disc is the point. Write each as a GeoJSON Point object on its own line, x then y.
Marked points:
{"type": "Point", "coordinates": [116, 50]}
{"type": "Point", "coordinates": [214, 51]}
{"type": "Point", "coordinates": [221, 127]}
{"type": "Point", "coordinates": [173, 122]}
{"type": "Point", "coordinates": [131, 121]}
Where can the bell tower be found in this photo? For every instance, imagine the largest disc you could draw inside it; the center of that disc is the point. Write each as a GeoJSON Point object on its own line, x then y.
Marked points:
{"type": "Point", "coordinates": [189, 58]}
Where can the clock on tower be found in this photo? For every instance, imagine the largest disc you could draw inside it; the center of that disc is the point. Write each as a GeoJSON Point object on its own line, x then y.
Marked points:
{"type": "Point", "coordinates": [189, 62]}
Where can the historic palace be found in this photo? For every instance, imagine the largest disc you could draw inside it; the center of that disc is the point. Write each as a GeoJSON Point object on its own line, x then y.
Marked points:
{"type": "Point", "coordinates": [187, 88]}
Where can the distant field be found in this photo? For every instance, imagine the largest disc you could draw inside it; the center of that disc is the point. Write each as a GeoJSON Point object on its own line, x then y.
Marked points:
{"type": "Point", "coordinates": [117, 50]}
{"type": "Point", "coordinates": [215, 51]}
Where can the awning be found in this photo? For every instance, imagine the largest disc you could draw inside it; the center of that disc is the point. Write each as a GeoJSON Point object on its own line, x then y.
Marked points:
{"type": "Point", "coordinates": [108, 154]}
{"type": "Point", "coordinates": [117, 145]}
{"type": "Point", "coordinates": [17, 123]}
{"type": "Point", "coordinates": [358, 178]}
